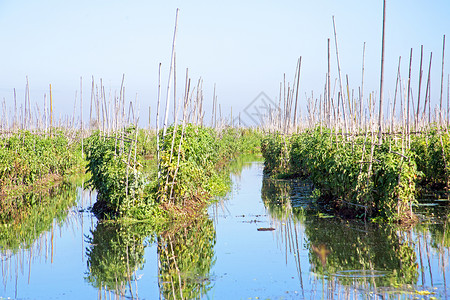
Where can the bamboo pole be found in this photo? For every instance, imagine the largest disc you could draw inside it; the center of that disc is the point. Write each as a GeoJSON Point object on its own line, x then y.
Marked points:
{"type": "Point", "coordinates": [92, 100]}
{"type": "Point", "coordinates": [81, 112]}
{"type": "Point", "coordinates": [328, 83]}
{"type": "Point", "coordinates": [340, 78]}
{"type": "Point", "coordinates": [448, 100]}
{"type": "Point", "coordinates": [157, 123]}
{"type": "Point", "coordinates": [361, 98]}
{"type": "Point", "coordinates": [296, 92]}
{"type": "Point", "coordinates": [442, 83]}
{"type": "Point", "coordinates": [380, 113]}
{"type": "Point", "coordinates": [427, 91]}
{"type": "Point", "coordinates": [166, 117]}
{"type": "Point", "coordinates": [420, 85]}
{"type": "Point", "coordinates": [51, 108]}
{"type": "Point", "coordinates": [408, 128]}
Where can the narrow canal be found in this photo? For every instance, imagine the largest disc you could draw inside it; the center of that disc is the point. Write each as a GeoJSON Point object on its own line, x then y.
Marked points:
{"type": "Point", "coordinates": [264, 240]}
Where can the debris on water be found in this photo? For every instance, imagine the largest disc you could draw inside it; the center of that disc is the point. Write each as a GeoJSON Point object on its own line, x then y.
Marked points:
{"type": "Point", "coordinates": [266, 229]}
{"type": "Point", "coordinates": [252, 221]}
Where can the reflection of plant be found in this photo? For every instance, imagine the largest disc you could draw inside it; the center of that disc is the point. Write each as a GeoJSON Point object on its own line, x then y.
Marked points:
{"type": "Point", "coordinates": [440, 235]}
{"type": "Point", "coordinates": [338, 248]}
{"type": "Point", "coordinates": [276, 195]}
{"type": "Point", "coordinates": [186, 257]}
{"type": "Point", "coordinates": [358, 248]}
{"type": "Point", "coordinates": [32, 214]}
{"type": "Point", "coordinates": [116, 251]}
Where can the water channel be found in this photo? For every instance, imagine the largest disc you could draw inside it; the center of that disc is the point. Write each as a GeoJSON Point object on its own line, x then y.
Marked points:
{"type": "Point", "coordinates": [264, 240]}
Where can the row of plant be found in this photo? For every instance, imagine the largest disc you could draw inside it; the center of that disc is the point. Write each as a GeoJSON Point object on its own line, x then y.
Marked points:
{"type": "Point", "coordinates": [191, 169]}
{"type": "Point", "coordinates": [432, 156]}
{"type": "Point", "coordinates": [355, 176]}
{"type": "Point", "coordinates": [27, 158]}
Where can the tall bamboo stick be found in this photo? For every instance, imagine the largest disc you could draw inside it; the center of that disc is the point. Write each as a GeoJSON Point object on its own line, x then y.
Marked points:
{"type": "Point", "coordinates": [420, 85]}
{"type": "Point", "coordinates": [340, 78]}
{"type": "Point", "coordinates": [380, 113]}
{"type": "Point", "coordinates": [166, 117]}
{"type": "Point", "coordinates": [51, 108]}
{"type": "Point", "coordinates": [442, 82]}
{"type": "Point", "coordinates": [427, 91]}
{"type": "Point", "coordinates": [328, 83]}
{"type": "Point", "coordinates": [157, 123]}
{"type": "Point", "coordinates": [296, 92]}
{"type": "Point", "coordinates": [408, 128]}
{"type": "Point", "coordinates": [361, 101]}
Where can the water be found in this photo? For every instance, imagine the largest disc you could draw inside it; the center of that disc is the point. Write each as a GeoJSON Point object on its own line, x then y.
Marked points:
{"type": "Point", "coordinates": [264, 240]}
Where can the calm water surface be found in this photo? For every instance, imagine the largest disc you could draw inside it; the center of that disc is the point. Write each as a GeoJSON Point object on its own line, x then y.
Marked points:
{"type": "Point", "coordinates": [263, 241]}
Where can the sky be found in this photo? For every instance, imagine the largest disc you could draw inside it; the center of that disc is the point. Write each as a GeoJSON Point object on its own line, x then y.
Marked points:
{"type": "Point", "coordinates": [241, 47]}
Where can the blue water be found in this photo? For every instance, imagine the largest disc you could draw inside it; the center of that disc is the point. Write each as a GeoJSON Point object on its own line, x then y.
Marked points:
{"type": "Point", "coordinates": [300, 254]}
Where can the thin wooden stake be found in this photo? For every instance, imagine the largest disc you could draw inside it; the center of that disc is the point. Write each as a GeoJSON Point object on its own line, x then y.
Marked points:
{"type": "Point", "coordinates": [442, 82]}
{"type": "Point", "coordinates": [420, 85]}
{"type": "Point", "coordinates": [166, 117]}
{"type": "Point", "coordinates": [380, 113]}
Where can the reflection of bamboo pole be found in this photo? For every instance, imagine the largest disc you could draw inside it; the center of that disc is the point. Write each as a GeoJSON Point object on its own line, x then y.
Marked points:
{"type": "Point", "coordinates": [29, 264]}
{"type": "Point", "coordinates": [176, 266]}
{"type": "Point", "coordinates": [128, 273]}
{"type": "Point", "coordinates": [52, 245]}
{"type": "Point", "coordinates": [420, 259]}
{"type": "Point", "coordinates": [428, 258]}
{"type": "Point", "coordinates": [298, 261]}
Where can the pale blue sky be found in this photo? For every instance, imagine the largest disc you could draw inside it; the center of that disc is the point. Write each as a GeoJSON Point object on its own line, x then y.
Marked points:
{"type": "Point", "coordinates": [244, 47]}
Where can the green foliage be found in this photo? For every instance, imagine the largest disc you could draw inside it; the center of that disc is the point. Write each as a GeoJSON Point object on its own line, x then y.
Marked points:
{"type": "Point", "coordinates": [432, 155]}
{"type": "Point", "coordinates": [119, 179]}
{"type": "Point", "coordinates": [26, 158]}
{"type": "Point", "coordinates": [196, 167]}
{"type": "Point", "coordinates": [345, 173]}
{"type": "Point", "coordinates": [275, 150]}
{"type": "Point", "coordinates": [192, 165]}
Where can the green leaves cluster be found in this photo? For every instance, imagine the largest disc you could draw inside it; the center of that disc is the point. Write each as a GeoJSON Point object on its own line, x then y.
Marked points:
{"type": "Point", "coordinates": [432, 155]}
{"type": "Point", "coordinates": [352, 173]}
{"type": "Point", "coordinates": [26, 157]}
{"type": "Point", "coordinates": [124, 189]}
{"type": "Point", "coordinates": [195, 167]}
{"type": "Point", "coordinates": [192, 165]}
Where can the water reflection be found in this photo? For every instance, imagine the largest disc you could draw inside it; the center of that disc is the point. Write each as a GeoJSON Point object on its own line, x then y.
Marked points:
{"type": "Point", "coordinates": [114, 254]}
{"type": "Point", "coordinates": [186, 256]}
{"type": "Point", "coordinates": [353, 258]}
{"type": "Point", "coordinates": [28, 228]}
